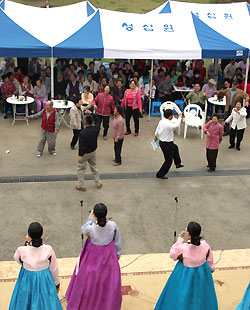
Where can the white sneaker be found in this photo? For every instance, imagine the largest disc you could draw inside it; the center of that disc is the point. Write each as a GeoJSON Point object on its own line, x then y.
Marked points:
{"type": "Point", "coordinates": [38, 155]}
{"type": "Point", "coordinates": [54, 153]}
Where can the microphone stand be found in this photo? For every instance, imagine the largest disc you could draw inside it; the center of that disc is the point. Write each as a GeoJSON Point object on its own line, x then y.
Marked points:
{"type": "Point", "coordinates": [176, 214]}
{"type": "Point", "coordinates": [81, 203]}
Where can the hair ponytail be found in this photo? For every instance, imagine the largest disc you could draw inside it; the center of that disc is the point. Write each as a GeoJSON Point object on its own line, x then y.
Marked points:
{"type": "Point", "coordinates": [196, 240]}
{"type": "Point", "coordinates": [100, 211]}
{"type": "Point", "coordinates": [37, 242]}
{"type": "Point", "coordinates": [102, 222]}
{"type": "Point", "coordinates": [194, 230]}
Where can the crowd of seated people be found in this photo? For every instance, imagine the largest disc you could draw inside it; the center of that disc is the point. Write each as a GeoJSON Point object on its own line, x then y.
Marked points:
{"type": "Point", "coordinates": [71, 76]}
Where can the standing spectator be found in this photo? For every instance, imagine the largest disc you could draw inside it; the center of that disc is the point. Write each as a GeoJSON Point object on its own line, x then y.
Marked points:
{"type": "Point", "coordinates": [49, 128]}
{"type": "Point", "coordinates": [104, 106]}
{"type": "Point", "coordinates": [122, 76]}
{"type": "Point", "coordinates": [191, 285]}
{"type": "Point", "coordinates": [224, 63]}
{"type": "Point", "coordinates": [7, 89]}
{"type": "Point", "coordinates": [211, 70]}
{"type": "Point", "coordinates": [76, 122]}
{"type": "Point", "coordinates": [91, 84]}
{"type": "Point", "coordinates": [60, 86]}
{"type": "Point", "coordinates": [76, 65]}
{"type": "Point", "coordinates": [101, 74]}
{"type": "Point", "coordinates": [197, 96]}
{"type": "Point", "coordinates": [46, 82]}
{"type": "Point", "coordinates": [113, 80]}
{"type": "Point", "coordinates": [133, 106]}
{"type": "Point", "coordinates": [173, 76]}
{"type": "Point", "coordinates": [214, 132]}
{"type": "Point", "coordinates": [165, 133]}
{"type": "Point", "coordinates": [8, 68]}
{"type": "Point", "coordinates": [149, 96]}
{"type": "Point", "coordinates": [81, 77]}
{"type": "Point", "coordinates": [196, 78]}
{"type": "Point", "coordinates": [166, 89]}
{"type": "Point", "coordinates": [102, 85]}
{"type": "Point", "coordinates": [18, 75]}
{"type": "Point", "coordinates": [243, 65]}
{"type": "Point", "coordinates": [233, 95]}
{"type": "Point", "coordinates": [128, 72]}
{"type": "Point", "coordinates": [72, 70]}
{"type": "Point", "coordinates": [66, 73]}
{"type": "Point", "coordinates": [210, 90]}
{"type": "Point", "coordinates": [39, 266]}
{"type": "Point", "coordinates": [199, 66]}
{"type": "Point", "coordinates": [26, 89]}
{"type": "Point", "coordinates": [47, 5]}
{"type": "Point", "coordinates": [238, 118]}
{"type": "Point", "coordinates": [118, 92]}
{"type": "Point", "coordinates": [92, 71]}
{"type": "Point", "coordinates": [40, 95]}
{"type": "Point", "coordinates": [159, 77]}
{"type": "Point", "coordinates": [161, 66]}
{"type": "Point", "coordinates": [183, 79]}
{"type": "Point", "coordinates": [96, 281]}
{"type": "Point", "coordinates": [118, 134]}
{"type": "Point", "coordinates": [87, 151]}
{"type": "Point", "coordinates": [111, 70]}
{"type": "Point", "coordinates": [230, 70]}
{"type": "Point", "coordinates": [58, 68]}
{"type": "Point", "coordinates": [23, 64]}
{"type": "Point", "coordinates": [34, 70]}
{"type": "Point", "coordinates": [145, 79]}
{"type": "Point", "coordinates": [74, 88]}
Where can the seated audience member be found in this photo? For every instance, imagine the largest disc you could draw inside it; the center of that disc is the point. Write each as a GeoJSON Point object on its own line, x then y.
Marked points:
{"type": "Point", "coordinates": [199, 65]}
{"type": "Point", "coordinates": [140, 64]}
{"type": "Point", "coordinates": [166, 89]}
{"type": "Point", "coordinates": [173, 76]}
{"type": "Point", "coordinates": [239, 77]}
{"type": "Point", "coordinates": [81, 77]}
{"type": "Point", "coordinates": [15, 82]}
{"type": "Point", "coordinates": [145, 78]}
{"type": "Point", "coordinates": [183, 79]}
{"type": "Point", "coordinates": [66, 73]}
{"type": "Point", "coordinates": [128, 72]}
{"type": "Point", "coordinates": [111, 70]}
{"type": "Point", "coordinates": [226, 83]}
{"type": "Point", "coordinates": [7, 89]}
{"type": "Point", "coordinates": [102, 85]}
{"type": "Point", "coordinates": [91, 83]}
{"type": "Point", "coordinates": [48, 72]}
{"type": "Point", "coordinates": [139, 85]}
{"type": "Point", "coordinates": [92, 71]}
{"type": "Point", "coordinates": [76, 65]}
{"type": "Point", "coordinates": [26, 88]}
{"type": "Point", "coordinates": [197, 96]}
{"type": "Point", "coordinates": [34, 70]}
{"type": "Point", "coordinates": [161, 66]}
{"type": "Point", "coordinates": [40, 95]}
{"type": "Point", "coordinates": [113, 80]}
{"type": "Point", "coordinates": [74, 88]}
{"type": "Point", "coordinates": [84, 69]}
{"type": "Point", "coordinates": [122, 76]}
{"type": "Point", "coordinates": [18, 75]}
{"type": "Point", "coordinates": [46, 82]}
{"type": "Point", "coordinates": [196, 78]}
{"type": "Point", "coordinates": [169, 64]}
{"type": "Point", "coordinates": [147, 95]}
{"type": "Point", "coordinates": [72, 70]}
{"type": "Point", "coordinates": [230, 69]}
{"type": "Point", "coordinates": [7, 68]}
{"type": "Point", "coordinates": [242, 64]}
{"type": "Point", "coordinates": [58, 68]}
{"type": "Point", "coordinates": [60, 86]}
{"type": "Point", "coordinates": [87, 98]}
{"type": "Point", "coordinates": [159, 77]}
{"type": "Point", "coordinates": [210, 90]}
{"type": "Point", "coordinates": [101, 74]}
{"type": "Point", "coordinates": [211, 70]}
{"type": "Point", "coordinates": [118, 92]}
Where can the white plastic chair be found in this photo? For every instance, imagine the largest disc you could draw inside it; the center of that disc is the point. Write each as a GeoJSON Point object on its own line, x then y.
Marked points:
{"type": "Point", "coordinates": [203, 112]}
{"type": "Point", "coordinates": [170, 105]}
{"type": "Point", "coordinates": [194, 117]}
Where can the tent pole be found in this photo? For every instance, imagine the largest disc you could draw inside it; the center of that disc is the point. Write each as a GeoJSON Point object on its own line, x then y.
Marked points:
{"type": "Point", "coordinates": [216, 69]}
{"type": "Point", "coordinates": [52, 74]}
{"type": "Point", "coordinates": [150, 90]}
{"type": "Point", "coordinates": [246, 78]}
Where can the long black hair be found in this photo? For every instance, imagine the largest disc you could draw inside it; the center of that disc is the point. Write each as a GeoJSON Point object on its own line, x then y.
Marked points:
{"type": "Point", "coordinates": [35, 232]}
{"type": "Point", "coordinates": [100, 211]}
{"type": "Point", "coordinates": [194, 230]}
{"type": "Point", "coordinates": [119, 109]}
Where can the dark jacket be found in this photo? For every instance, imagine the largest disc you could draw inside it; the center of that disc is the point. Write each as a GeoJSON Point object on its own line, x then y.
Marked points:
{"type": "Point", "coordinates": [88, 138]}
{"type": "Point", "coordinates": [118, 94]}
{"type": "Point", "coordinates": [60, 88]}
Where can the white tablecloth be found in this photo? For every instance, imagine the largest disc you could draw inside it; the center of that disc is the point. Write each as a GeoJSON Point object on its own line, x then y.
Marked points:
{"type": "Point", "coordinates": [215, 101]}
{"type": "Point", "coordinates": [12, 100]}
{"type": "Point", "coordinates": [59, 104]}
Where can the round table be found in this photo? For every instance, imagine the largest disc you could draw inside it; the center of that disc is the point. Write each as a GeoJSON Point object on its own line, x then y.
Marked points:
{"type": "Point", "coordinates": [215, 102]}
{"type": "Point", "coordinates": [61, 108]}
{"type": "Point", "coordinates": [14, 101]}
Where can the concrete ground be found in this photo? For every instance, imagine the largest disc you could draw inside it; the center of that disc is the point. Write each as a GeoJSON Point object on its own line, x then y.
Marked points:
{"type": "Point", "coordinates": [142, 205]}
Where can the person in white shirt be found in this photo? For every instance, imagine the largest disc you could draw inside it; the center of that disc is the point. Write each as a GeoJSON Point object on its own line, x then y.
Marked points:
{"type": "Point", "coordinates": [165, 133]}
{"type": "Point", "coordinates": [238, 118]}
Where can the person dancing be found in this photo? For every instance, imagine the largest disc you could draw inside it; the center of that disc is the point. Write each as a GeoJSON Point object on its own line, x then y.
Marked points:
{"type": "Point", "coordinates": [190, 286]}
{"type": "Point", "coordinates": [38, 282]}
{"type": "Point", "coordinates": [96, 281]}
{"type": "Point", "coordinates": [165, 133]}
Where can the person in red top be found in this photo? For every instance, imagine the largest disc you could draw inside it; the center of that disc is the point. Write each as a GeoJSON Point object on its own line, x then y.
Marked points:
{"type": "Point", "coordinates": [133, 106]}
{"type": "Point", "coordinates": [49, 128]}
{"type": "Point", "coordinates": [18, 75]}
{"type": "Point", "coordinates": [104, 106]}
{"type": "Point", "coordinates": [8, 88]}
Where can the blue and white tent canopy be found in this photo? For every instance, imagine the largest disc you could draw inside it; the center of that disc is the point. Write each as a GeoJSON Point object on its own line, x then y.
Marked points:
{"type": "Point", "coordinates": [140, 36]}
{"type": "Point", "coordinates": [229, 19]}
{"type": "Point", "coordinates": [53, 25]}
{"type": "Point", "coordinates": [16, 42]}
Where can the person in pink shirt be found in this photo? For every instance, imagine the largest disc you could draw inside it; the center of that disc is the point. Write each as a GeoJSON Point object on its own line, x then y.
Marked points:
{"type": "Point", "coordinates": [118, 134]}
{"type": "Point", "coordinates": [133, 106]}
{"type": "Point", "coordinates": [40, 95]}
{"type": "Point", "coordinates": [190, 286]}
{"type": "Point", "coordinates": [7, 89]}
{"type": "Point", "coordinates": [38, 282]}
{"type": "Point", "coordinates": [104, 106]}
{"type": "Point", "coordinates": [214, 132]}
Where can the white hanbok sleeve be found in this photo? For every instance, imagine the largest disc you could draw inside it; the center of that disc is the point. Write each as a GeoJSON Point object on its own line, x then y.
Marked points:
{"type": "Point", "coordinates": [86, 228]}
{"type": "Point", "coordinates": [118, 242]}
{"type": "Point", "coordinates": [17, 256]}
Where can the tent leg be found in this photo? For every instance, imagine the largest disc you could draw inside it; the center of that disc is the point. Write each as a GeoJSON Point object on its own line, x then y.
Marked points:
{"type": "Point", "coordinates": [150, 89]}
{"type": "Point", "coordinates": [246, 78]}
{"type": "Point", "coordinates": [52, 74]}
{"type": "Point", "coordinates": [216, 69]}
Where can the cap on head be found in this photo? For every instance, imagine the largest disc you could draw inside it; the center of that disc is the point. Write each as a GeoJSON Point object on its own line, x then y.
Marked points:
{"type": "Point", "coordinates": [212, 81]}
